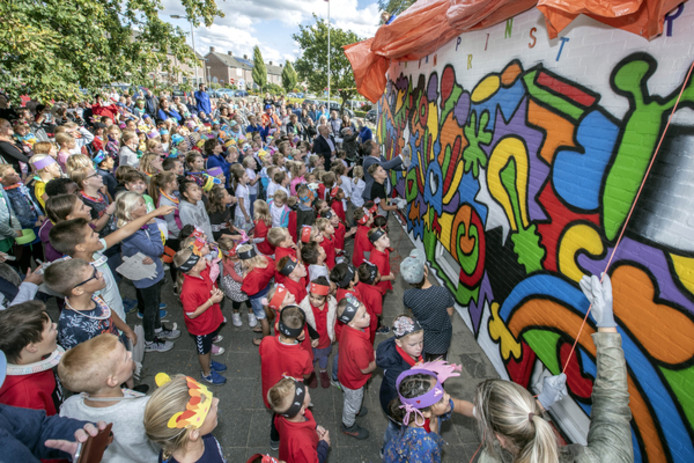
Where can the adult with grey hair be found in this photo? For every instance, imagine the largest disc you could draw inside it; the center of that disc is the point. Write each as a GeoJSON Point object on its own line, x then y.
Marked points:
{"type": "Point", "coordinates": [509, 417]}
{"type": "Point", "coordinates": [325, 144]}
{"type": "Point", "coordinates": [431, 306]}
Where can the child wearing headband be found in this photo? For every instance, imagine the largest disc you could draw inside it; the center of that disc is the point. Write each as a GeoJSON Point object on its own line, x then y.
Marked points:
{"type": "Point", "coordinates": [356, 362]}
{"type": "Point", "coordinates": [363, 218]}
{"type": "Point", "coordinates": [302, 439]}
{"type": "Point", "coordinates": [262, 222]}
{"type": "Point", "coordinates": [380, 257]}
{"type": "Point", "coordinates": [421, 405]}
{"type": "Point", "coordinates": [45, 168]}
{"type": "Point", "coordinates": [200, 298]}
{"type": "Point", "coordinates": [180, 417]}
{"type": "Point", "coordinates": [283, 355]}
{"type": "Point", "coordinates": [320, 309]}
{"type": "Point", "coordinates": [393, 356]}
{"type": "Point", "coordinates": [293, 275]}
{"type": "Point", "coordinates": [258, 273]}
{"type": "Point", "coordinates": [345, 279]}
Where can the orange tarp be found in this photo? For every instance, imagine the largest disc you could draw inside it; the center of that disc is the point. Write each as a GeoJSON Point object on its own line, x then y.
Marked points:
{"type": "Point", "coordinates": [428, 24]}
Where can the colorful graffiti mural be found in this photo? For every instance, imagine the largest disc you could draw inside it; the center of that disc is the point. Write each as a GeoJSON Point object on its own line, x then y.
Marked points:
{"type": "Point", "coordinates": [524, 182]}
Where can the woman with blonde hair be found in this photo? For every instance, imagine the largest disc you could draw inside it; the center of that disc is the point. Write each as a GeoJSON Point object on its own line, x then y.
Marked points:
{"type": "Point", "coordinates": [508, 416]}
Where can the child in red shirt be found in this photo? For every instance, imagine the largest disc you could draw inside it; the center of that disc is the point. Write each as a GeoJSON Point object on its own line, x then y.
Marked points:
{"type": "Point", "coordinates": [282, 355]}
{"type": "Point", "coordinates": [363, 218]}
{"type": "Point", "coordinates": [327, 231]}
{"type": "Point", "coordinates": [294, 274]}
{"type": "Point", "coordinates": [301, 439]}
{"type": "Point", "coordinates": [262, 222]}
{"type": "Point", "coordinates": [336, 198]}
{"type": "Point", "coordinates": [380, 257]}
{"type": "Point", "coordinates": [320, 309]}
{"type": "Point", "coordinates": [200, 298]}
{"type": "Point", "coordinates": [30, 381]}
{"type": "Point", "coordinates": [258, 273]}
{"type": "Point", "coordinates": [356, 363]}
{"type": "Point", "coordinates": [341, 232]}
{"type": "Point", "coordinates": [284, 246]}
{"type": "Point", "coordinates": [371, 295]}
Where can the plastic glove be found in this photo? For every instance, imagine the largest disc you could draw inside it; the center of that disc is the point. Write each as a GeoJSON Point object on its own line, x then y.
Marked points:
{"type": "Point", "coordinates": [600, 297]}
{"type": "Point", "coordinates": [553, 390]}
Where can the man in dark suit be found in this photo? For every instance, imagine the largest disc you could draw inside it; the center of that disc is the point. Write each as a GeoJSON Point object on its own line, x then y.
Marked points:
{"type": "Point", "coordinates": [325, 145]}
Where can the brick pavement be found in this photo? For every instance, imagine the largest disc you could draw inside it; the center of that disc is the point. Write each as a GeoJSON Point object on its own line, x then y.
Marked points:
{"type": "Point", "coordinates": [243, 420]}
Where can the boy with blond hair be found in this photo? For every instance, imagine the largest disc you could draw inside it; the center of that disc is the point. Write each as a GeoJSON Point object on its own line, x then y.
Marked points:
{"type": "Point", "coordinates": [96, 369]}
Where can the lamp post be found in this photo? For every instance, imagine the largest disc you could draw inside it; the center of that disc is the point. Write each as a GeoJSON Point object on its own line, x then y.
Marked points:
{"type": "Point", "coordinates": [192, 39]}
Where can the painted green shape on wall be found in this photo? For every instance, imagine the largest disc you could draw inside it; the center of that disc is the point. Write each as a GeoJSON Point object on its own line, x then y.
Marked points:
{"type": "Point", "coordinates": [640, 135]}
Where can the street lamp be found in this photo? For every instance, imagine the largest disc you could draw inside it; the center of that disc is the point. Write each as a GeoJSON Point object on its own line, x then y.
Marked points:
{"type": "Point", "coordinates": [192, 37]}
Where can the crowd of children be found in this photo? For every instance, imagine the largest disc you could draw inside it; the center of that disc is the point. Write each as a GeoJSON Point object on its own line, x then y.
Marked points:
{"type": "Point", "coordinates": [239, 218]}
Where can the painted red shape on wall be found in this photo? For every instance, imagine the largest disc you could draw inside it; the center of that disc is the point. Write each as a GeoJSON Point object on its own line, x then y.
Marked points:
{"type": "Point", "coordinates": [567, 90]}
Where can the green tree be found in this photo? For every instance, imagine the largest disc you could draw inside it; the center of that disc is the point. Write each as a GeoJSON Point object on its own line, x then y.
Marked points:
{"type": "Point", "coordinates": [289, 77]}
{"type": "Point", "coordinates": [259, 72]}
{"type": "Point", "coordinates": [394, 6]}
{"type": "Point", "coordinates": [50, 49]}
{"type": "Point", "coordinates": [312, 66]}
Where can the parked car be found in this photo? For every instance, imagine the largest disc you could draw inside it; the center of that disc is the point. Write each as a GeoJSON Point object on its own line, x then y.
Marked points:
{"type": "Point", "coordinates": [371, 116]}
{"type": "Point", "coordinates": [240, 93]}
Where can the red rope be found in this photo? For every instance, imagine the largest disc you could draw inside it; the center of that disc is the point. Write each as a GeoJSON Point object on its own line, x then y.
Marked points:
{"type": "Point", "coordinates": [631, 210]}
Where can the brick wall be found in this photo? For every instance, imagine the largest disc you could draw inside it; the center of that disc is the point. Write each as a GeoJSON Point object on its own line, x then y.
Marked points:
{"type": "Point", "coordinates": [527, 156]}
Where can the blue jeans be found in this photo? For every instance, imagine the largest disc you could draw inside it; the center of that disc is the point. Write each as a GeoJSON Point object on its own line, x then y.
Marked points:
{"type": "Point", "coordinates": [335, 358]}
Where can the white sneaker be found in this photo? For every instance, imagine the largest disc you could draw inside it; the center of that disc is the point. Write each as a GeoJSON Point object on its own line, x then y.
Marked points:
{"type": "Point", "coordinates": [252, 321]}
{"type": "Point", "coordinates": [236, 319]}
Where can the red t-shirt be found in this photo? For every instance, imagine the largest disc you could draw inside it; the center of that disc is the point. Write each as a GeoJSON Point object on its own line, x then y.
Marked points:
{"type": "Point", "coordinates": [33, 391]}
{"type": "Point", "coordinates": [291, 225]}
{"type": "Point", "coordinates": [339, 209]}
{"type": "Point", "coordinates": [194, 293]}
{"type": "Point", "coordinates": [339, 236]}
{"type": "Point", "coordinates": [277, 359]}
{"type": "Point", "coordinates": [362, 245]}
{"type": "Point", "coordinates": [298, 441]}
{"type": "Point", "coordinates": [258, 278]}
{"type": "Point", "coordinates": [328, 245]}
{"type": "Point", "coordinates": [356, 353]}
{"type": "Point", "coordinates": [261, 232]}
{"type": "Point", "coordinates": [381, 259]}
{"type": "Point", "coordinates": [321, 316]}
{"type": "Point", "coordinates": [373, 300]}
{"type": "Point", "coordinates": [280, 252]}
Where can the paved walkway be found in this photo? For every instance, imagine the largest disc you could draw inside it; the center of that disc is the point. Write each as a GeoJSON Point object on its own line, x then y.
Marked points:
{"type": "Point", "coordinates": [244, 421]}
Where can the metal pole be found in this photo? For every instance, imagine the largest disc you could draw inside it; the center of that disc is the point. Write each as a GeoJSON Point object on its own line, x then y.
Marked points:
{"type": "Point", "coordinates": [328, 58]}
{"type": "Point", "coordinates": [197, 63]}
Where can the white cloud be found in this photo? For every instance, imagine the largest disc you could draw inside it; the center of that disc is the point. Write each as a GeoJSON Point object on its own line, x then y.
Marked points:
{"type": "Point", "coordinates": [245, 21]}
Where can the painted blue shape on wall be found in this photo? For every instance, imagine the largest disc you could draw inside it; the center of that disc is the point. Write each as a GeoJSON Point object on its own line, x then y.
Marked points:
{"type": "Point", "coordinates": [576, 176]}
{"type": "Point", "coordinates": [506, 99]}
{"type": "Point", "coordinates": [467, 190]}
{"type": "Point", "coordinates": [433, 187]}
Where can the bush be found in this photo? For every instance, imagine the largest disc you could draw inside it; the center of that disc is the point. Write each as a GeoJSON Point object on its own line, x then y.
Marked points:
{"type": "Point", "coordinates": [358, 113]}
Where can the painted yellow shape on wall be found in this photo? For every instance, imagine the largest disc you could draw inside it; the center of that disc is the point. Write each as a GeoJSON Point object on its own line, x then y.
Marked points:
{"type": "Point", "coordinates": [580, 237]}
{"type": "Point", "coordinates": [446, 223]}
{"type": "Point", "coordinates": [486, 88]}
{"type": "Point", "coordinates": [684, 268]}
{"type": "Point", "coordinates": [510, 148]}
{"type": "Point", "coordinates": [500, 333]}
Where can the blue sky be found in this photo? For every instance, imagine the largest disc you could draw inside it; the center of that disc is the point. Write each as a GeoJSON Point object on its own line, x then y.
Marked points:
{"type": "Point", "coordinates": [271, 23]}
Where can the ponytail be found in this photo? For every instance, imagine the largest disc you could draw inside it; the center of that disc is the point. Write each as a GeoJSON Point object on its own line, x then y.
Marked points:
{"type": "Point", "coordinates": [507, 409]}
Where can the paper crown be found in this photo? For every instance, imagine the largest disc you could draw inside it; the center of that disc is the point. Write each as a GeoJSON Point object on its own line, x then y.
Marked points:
{"type": "Point", "coordinates": [198, 405]}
